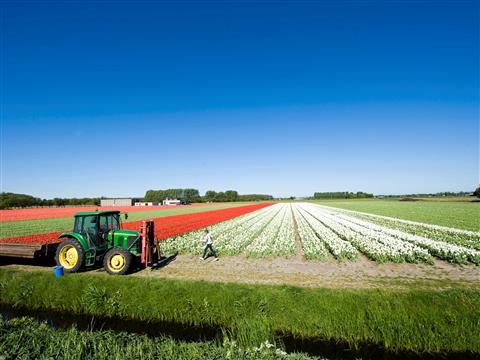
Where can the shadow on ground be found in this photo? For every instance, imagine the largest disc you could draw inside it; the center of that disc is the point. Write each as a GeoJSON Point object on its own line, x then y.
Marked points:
{"type": "Point", "coordinates": [164, 261]}
{"type": "Point", "coordinates": [43, 262]}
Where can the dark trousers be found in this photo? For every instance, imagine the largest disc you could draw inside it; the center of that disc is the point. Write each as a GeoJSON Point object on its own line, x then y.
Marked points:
{"type": "Point", "coordinates": [209, 247]}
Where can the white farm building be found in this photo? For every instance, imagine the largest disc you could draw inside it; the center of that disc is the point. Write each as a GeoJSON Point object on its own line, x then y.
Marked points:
{"type": "Point", "coordinates": [146, 204]}
{"type": "Point", "coordinates": [117, 202]}
{"type": "Point", "coordinates": [172, 202]}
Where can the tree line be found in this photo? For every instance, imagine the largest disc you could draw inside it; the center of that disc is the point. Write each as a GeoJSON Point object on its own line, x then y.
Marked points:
{"type": "Point", "coordinates": [362, 195]}
{"type": "Point", "coordinates": [342, 195]}
{"type": "Point", "coordinates": [232, 195]}
{"type": "Point", "coordinates": [189, 195]}
{"type": "Point", "coordinates": [193, 195]}
{"type": "Point", "coordinates": [439, 194]}
{"type": "Point", "coordinates": [11, 200]}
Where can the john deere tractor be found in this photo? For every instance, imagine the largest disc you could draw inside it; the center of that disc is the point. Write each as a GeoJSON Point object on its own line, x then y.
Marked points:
{"type": "Point", "coordinates": [97, 238]}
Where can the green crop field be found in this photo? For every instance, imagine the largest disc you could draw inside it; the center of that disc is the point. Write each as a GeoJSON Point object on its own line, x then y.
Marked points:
{"type": "Point", "coordinates": [29, 227]}
{"type": "Point", "coordinates": [459, 214]}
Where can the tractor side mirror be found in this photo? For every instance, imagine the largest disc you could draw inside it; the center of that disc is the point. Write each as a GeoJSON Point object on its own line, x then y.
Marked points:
{"type": "Point", "coordinates": [126, 216]}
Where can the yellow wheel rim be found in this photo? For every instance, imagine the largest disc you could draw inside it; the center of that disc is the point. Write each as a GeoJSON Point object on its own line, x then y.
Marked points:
{"type": "Point", "coordinates": [116, 262]}
{"type": "Point", "coordinates": [68, 256]}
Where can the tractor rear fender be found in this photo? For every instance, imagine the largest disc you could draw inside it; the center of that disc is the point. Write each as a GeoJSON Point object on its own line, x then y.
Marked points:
{"type": "Point", "coordinates": [90, 251]}
{"type": "Point", "coordinates": [77, 236]}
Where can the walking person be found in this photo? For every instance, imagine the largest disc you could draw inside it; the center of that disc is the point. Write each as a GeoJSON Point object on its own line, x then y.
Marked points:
{"type": "Point", "coordinates": [208, 245]}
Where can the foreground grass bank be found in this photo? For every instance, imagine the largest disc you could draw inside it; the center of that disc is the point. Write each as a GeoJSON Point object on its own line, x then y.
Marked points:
{"type": "Point", "coordinates": [24, 338]}
{"type": "Point", "coordinates": [458, 214]}
{"type": "Point", "coordinates": [423, 321]}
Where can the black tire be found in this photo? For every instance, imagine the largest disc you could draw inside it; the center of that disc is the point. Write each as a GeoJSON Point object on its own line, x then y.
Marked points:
{"type": "Point", "coordinates": [61, 257]}
{"type": "Point", "coordinates": [115, 267]}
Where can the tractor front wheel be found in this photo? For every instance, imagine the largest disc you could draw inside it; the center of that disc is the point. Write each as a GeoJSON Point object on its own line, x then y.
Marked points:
{"type": "Point", "coordinates": [117, 261]}
{"type": "Point", "coordinates": [70, 255]}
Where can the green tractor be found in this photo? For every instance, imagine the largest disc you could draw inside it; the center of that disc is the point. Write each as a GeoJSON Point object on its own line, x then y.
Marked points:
{"type": "Point", "coordinates": [97, 238]}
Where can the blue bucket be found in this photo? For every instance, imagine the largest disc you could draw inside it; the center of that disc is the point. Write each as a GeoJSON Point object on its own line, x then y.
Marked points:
{"type": "Point", "coordinates": [58, 271]}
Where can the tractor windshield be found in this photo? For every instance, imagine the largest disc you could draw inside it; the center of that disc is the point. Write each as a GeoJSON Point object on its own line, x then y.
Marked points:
{"type": "Point", "coordinates": [85, 224]}
{"type": "Point", "coordinates": [109, 222]}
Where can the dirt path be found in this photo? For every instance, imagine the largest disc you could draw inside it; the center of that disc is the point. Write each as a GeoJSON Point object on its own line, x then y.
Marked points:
{"type": "Point", "coordinates": [361, 273]}
{"type": "Point", "coordinates": [332, 274]}
{"type": "Point", "coordinates": [298, 241]}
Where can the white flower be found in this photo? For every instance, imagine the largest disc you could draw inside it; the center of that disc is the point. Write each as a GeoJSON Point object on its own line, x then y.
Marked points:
{"type": "Point", "coordinates": [272, 232]}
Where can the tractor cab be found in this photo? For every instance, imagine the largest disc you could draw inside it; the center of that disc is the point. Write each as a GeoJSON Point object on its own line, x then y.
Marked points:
{"type": "Point", "coordinates": [95, 226]}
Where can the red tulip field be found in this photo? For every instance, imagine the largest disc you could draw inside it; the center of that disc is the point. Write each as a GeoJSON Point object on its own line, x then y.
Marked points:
{"type": "Point", "coordinates": [165, 226]}
{"type": "Point", "coordinates": [59, 212]}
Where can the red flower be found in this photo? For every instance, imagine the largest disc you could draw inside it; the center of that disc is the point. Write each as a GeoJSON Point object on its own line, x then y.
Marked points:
{"type": "Point", "coordinates": [58, 212]}
{"type": "Point", "coordinates": [164, 226]}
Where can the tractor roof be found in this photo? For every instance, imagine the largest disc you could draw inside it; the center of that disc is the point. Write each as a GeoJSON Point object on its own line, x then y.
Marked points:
{"type": "Point", "coordinates": [87, 213]}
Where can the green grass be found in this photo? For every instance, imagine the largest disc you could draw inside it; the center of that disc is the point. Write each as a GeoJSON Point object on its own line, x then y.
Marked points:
{"type": "Point", "coordinates": [400, 320]}
{"type": "Point", "coordinates": [29, 227]}
{"type": "Point", "coordinates": [24, 338]}
{"type": "Point", "coordinates": [458, 214]}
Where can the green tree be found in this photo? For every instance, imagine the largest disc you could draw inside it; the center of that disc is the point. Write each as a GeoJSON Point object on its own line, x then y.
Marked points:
{"type": "Point", "coordinates": [210, 195]}
{"type": "Point", "coordinates": [191, 195]}
{"type": "Point", "coordinates": [477, 192]}
{"type": "Point", "coordinates": [220, 197]}
{"type": "Point", "coordinates": [231, 195]}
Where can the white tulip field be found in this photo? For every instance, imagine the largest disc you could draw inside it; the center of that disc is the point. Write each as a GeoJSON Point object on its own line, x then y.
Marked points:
{"type": "Point", "coordinates": [321, 233]}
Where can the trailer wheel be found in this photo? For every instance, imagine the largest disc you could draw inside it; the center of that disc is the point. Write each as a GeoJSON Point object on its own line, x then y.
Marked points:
{"type": "Point", "coordinates": [70, 255]}
{"type": "Point", "coordinates": [117, 261]}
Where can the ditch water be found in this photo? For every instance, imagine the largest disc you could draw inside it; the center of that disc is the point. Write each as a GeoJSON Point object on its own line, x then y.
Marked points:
{"type": "Point", "coordinates": [61, 320]}
{"type": "Point", "coordinates": [190, 333]}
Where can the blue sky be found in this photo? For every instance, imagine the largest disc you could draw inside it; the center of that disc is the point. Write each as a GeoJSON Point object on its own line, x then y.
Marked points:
{"type": "Point", "coordinates": [280, 98]}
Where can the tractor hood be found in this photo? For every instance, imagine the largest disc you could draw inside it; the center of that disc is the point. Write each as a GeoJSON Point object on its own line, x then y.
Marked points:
{"type": "Point", "coordinates": [123, 238]}
{"type": "Point", "coordinates": [126, 233]}
{"type": "Point", "coordinates": [127, 239]}
{"type": "Point", "coordinates": [119, 236]}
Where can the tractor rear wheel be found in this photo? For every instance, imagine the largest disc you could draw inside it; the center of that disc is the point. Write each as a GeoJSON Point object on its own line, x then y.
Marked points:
{"type": "Point", "coordinates": [117, 261]}
{"type": "Point", "coordinates": [70, 255]}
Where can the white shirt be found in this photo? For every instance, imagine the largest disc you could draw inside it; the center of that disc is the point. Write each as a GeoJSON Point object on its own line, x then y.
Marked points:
{"type": "Point", "coordinates": [208, 239]}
